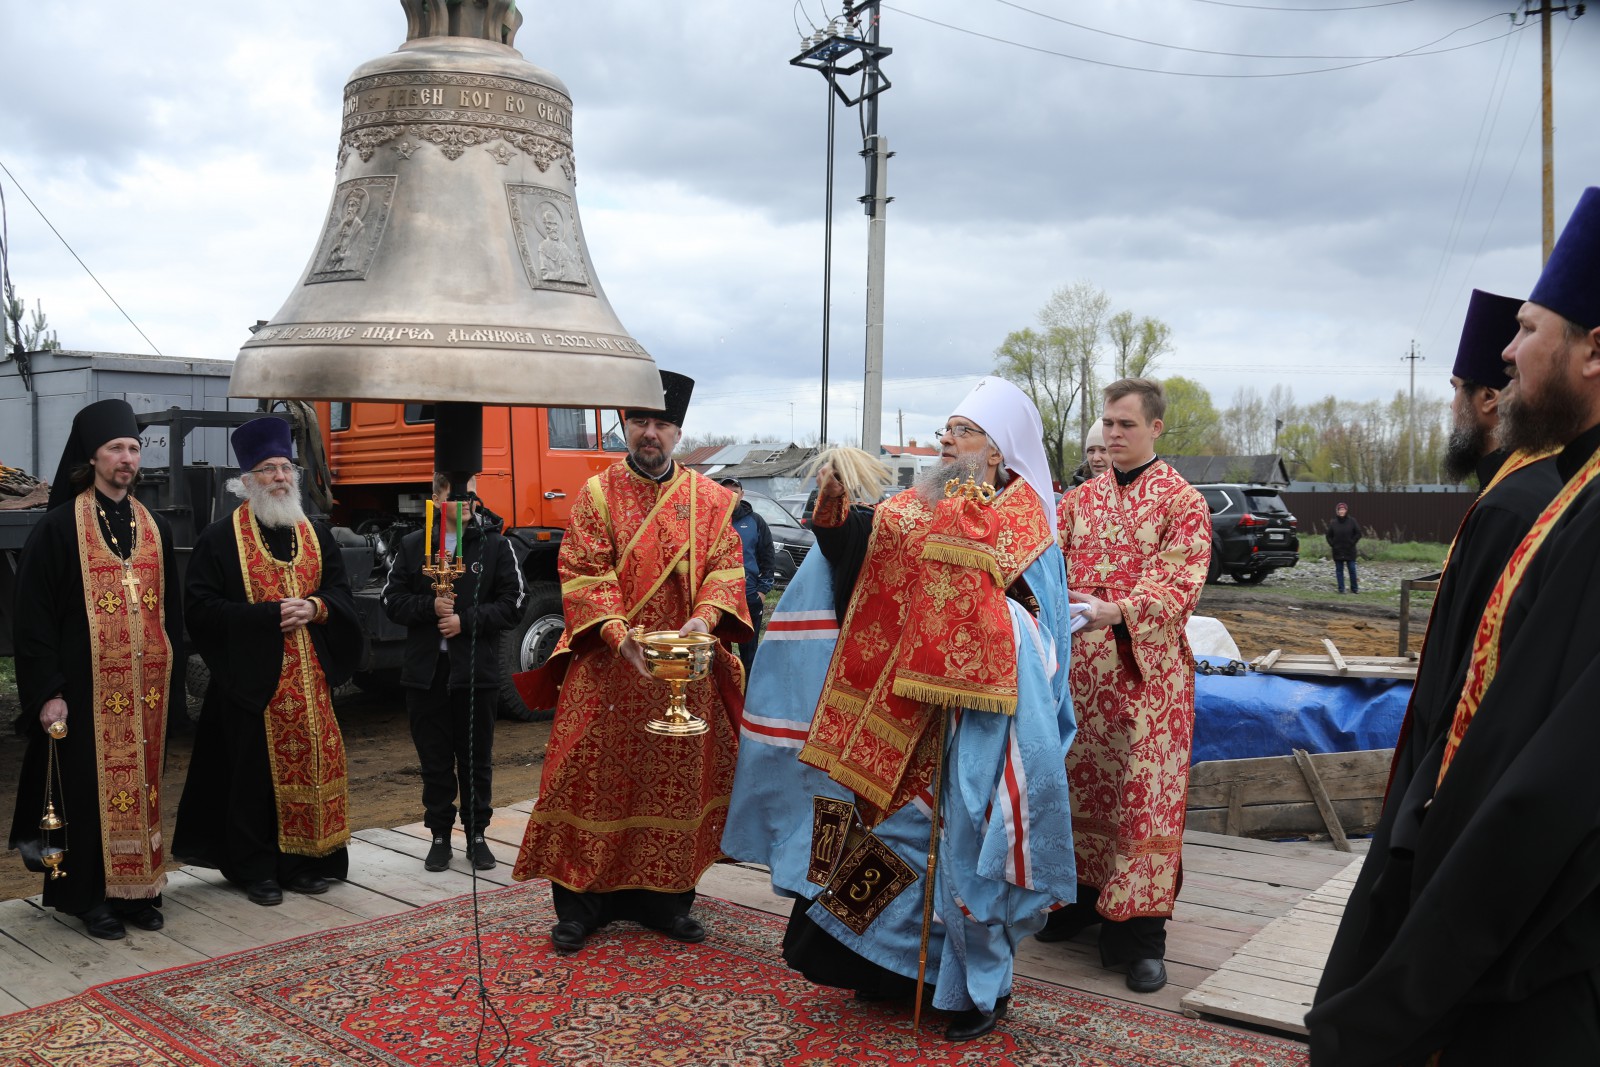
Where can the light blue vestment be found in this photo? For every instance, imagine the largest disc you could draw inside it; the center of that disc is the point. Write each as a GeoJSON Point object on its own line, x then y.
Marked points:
{"type": "Point", "coordinates": [1005, 855]}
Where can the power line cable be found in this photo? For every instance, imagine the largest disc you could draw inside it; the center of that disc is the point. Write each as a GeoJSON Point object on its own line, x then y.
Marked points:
{"type": "Point", "coordinates": [1409, 53]}
{"type": "Point", "coordinates": [1469, 180]}
{"type": "Point", "coordinates": [77, 257]}
{"type": "Point", "coordinates": [1305, 10]}
{"type": "Point", "coordinates": [1511, 172]}
{"type": "Point", "coordinates": [1212, 51]}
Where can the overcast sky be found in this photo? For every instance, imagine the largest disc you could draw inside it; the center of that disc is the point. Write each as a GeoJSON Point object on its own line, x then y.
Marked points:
{"type": "Point", "coordinates": [1301, 229]}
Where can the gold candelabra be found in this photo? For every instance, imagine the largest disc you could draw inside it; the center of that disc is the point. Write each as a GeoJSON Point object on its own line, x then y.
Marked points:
{"type": "Point", "coordinates": [444, 570]}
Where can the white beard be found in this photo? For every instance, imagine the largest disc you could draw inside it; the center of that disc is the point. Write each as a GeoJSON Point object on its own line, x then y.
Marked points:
{"type": "Point", "coordinates": [931, 481]}
{"type": "Point", "coordinates": [274, 511]}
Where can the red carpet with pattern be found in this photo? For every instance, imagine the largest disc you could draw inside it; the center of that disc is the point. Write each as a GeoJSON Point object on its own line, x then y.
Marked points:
{"type": "Point", "coordinates": [384, 992]}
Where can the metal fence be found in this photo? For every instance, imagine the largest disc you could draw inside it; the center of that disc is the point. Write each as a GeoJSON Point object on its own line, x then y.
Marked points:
{"type": "Point", "coordinates": [1392, 516]}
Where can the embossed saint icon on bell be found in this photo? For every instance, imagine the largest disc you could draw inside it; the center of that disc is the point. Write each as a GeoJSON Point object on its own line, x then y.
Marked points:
{"type": "Point", "coordinates": [451, 265]}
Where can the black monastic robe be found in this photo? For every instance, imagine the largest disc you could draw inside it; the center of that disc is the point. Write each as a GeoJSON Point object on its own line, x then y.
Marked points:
{"type": "Point", "coordinates": [51, 635]}
{"type": "Point", "coordinates": [228, 816]}
{"type": "Point", "coordinates": [1478, 932]}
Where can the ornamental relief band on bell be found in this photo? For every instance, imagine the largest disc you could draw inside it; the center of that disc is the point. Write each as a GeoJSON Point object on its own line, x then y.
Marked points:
{"type": "Point", "coordinates": [455, 112]}
{"type": "Point", "coordinates": [452, 140]}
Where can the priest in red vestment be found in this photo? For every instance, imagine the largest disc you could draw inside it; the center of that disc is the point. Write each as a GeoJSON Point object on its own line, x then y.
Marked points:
{"type": "Point", "coordinates": [627, 821]}
{"type": "Point", "coordinates": [99, 641]}
{"type": "Point", "coordinates": [270, 611]}
{"type": "Point", "coordinates": [1138, 542]}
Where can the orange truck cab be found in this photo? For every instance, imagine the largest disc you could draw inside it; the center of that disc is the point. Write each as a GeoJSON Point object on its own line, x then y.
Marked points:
{"type": "Point", "coordinates": [535, 462]}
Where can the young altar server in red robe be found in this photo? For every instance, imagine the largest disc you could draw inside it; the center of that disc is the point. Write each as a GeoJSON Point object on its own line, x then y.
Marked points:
{"type": "Point", "coordinates": [1138, 542]}
{"type": "Point", "coordinates": [627, 821]}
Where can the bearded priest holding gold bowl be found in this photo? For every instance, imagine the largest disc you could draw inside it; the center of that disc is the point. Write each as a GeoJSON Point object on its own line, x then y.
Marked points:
{"type": "Point", "coordinates": [628, 818]}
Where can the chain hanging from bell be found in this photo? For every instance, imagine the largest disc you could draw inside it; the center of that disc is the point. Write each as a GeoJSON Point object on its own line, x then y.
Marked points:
{"type": "Point", "coordinates": [53, 856]}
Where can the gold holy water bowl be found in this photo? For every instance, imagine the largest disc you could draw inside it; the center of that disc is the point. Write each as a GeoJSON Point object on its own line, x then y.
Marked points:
{"type": "Point", "coordinates": [676, 659]}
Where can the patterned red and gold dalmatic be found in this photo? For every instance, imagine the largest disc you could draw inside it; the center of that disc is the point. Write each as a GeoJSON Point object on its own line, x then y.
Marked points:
{"type": "Point", "coordinates": [1145, 546]}
{"type": "Point", "coordinates": [620, 808]}
{"type": "Point", "coordinates": [927, 626]}
{"type": "Point", "coordinates": [132, 658]}
{"type": "Point", "coordinates": [304, 744]}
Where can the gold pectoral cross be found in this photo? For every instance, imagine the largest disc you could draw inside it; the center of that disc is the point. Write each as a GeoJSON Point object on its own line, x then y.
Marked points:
{"type": "Point", "coordinates": [131, 583]}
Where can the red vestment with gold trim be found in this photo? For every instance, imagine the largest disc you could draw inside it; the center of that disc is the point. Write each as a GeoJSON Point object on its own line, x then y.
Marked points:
{"type": "Point", "coordinates": [1145, 546]}
{"type": "Point", "coordinates": [620, 808]}
{"type": "Point", "coordinates": [305, 747]}
{"type": "Point", "coordinates": [132, 655]}
{"type": "Point", "coordinates": [927, 623]}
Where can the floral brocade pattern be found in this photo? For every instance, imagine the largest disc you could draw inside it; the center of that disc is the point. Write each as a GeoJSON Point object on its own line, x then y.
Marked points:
{"type": "Point", "coordinates": [384, 992]}
{"type": "Point", "coordinates": [126, 609]}
{"type": "Point", "coordinates": [305, 747]}
{"type": "Point", "coordinates": [620, 808]}
{"type": "Point", "coordinates": [1145, 546]}
{"type": "Point", "coordinates": [922, 631]}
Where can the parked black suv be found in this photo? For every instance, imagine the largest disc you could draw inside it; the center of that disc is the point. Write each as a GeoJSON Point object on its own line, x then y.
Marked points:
{"type": "Point", "coordinates": [1252, 532]}
{"type": "Point", "coordinates": [790, 541]}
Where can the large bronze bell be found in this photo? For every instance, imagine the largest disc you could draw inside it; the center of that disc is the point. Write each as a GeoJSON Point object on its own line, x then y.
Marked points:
{"type": "Point", "coordinates": [451, 265]}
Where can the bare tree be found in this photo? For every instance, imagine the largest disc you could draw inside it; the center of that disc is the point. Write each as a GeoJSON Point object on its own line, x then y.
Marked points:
{"type": "Point", "coordinates": [1137, 343]}
{"type": "Point", "coordinates": [1074, 319]}
{"type": "Point", "coordinates": [1043, 372]}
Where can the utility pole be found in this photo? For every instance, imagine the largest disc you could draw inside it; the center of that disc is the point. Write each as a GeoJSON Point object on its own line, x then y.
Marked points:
{"type": "Point", "coordinates": [875, 150]}
{"type": "Point", "coordinates": [1411, 419]}
{"type": "Point", "coordinates": [901, 413]}
{"type": "Point", "coordinates": [1545, 9]}
{"type": "Point", "coordinates": [826, 51]}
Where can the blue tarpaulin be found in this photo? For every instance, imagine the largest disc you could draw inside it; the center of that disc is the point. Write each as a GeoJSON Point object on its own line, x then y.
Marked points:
{"type": "Point", "coordinates": [1249, 715]}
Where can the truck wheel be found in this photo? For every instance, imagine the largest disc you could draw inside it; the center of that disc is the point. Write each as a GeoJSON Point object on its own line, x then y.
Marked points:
{"type": "Point", "coordinates": [196, 677]}
{"type": "Point", "coordinates": [528, 645]}
{"type": "Point", "coordinates": [1214, 570]}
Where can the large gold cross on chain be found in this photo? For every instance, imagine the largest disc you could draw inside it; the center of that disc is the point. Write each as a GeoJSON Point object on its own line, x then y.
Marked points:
{"type": "Point", "coordinates": [131, 583]}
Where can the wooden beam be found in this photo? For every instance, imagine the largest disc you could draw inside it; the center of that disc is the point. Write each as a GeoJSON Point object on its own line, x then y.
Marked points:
{"type": "Point", "coordinates": [1329, 817]}
{"type": "Point", "coordinates": [1334, 656]}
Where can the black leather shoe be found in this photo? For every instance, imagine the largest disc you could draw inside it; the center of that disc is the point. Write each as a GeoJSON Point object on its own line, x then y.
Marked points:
{"type": "Point", "coordinates": [103, 924]}
{"type": "Point", "coordinates": [145, 916]}
{"type": "Point", "coordinates": [686, 929]}
{"type": "Point", "coordinates": [265, 892]}
{"type": "Point", "coordinates": [311, 884]}
{"type": "Point", "coordinates": [966, 1025]}
{"type": "Point", "coordinates": [438, 854]}
{"type": "Point", "coordinates": [568, 936]}
{"type": "Point", "coordinates": [482, 858]}
{"type": "Point", "coordinates": [1146, 976]}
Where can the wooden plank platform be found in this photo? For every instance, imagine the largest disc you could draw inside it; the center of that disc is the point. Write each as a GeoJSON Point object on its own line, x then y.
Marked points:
{"type": "Point", "coordinates": [1271, 979]}
{"type": "Point", "coordinates": [1235, 890]}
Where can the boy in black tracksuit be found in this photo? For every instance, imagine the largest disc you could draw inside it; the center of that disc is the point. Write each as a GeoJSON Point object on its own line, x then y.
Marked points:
{"type": "Point", "coordinates": [442, 675]}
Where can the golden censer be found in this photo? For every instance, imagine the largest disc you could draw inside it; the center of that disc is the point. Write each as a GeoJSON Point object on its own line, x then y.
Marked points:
{"type": "Point", "coordinates": [676, 659]}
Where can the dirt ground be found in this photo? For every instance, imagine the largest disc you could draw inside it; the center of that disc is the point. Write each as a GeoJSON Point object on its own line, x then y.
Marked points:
{"type": "Point", "coordinates": [386, 784]}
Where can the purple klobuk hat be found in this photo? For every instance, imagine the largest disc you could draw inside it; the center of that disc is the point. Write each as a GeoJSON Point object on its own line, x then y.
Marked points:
{"type": "Point", "coordinates": [1490, 326]}
{"type": "Point", "coordinates": [261, 439]}
{"type": "Point", "coordinates": [1570, 283]}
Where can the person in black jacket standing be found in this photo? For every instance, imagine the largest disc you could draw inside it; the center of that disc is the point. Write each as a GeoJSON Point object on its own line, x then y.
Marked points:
{"type": "Point", "coordinates": [452, 669]}
{"type": "Point", "coordinates": [759, 567]}
{"type": "Point", "coordinates": [1343, 533]}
